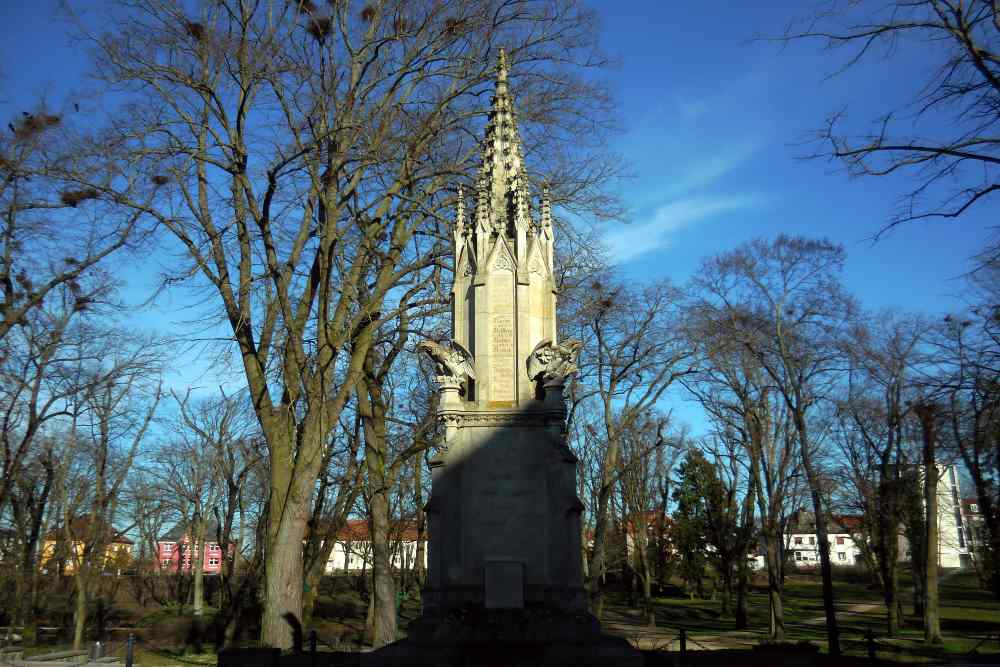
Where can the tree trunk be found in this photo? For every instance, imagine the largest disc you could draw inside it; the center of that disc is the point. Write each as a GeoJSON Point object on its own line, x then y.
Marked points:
{"type": "Point", "coordinates": [932, 621]}
{"type": "Point", "coordinates": [380, 481]}
{"type": "Point", "coordinates": [418, 498]}
{"type": "Point", "coordinates": [773, 557]}
{"type": "Point", "coordinates": [80, 608]}
{"type": "Point", "coordinates": [597, 564]}
{"type": "Point", "coordinates": [311, 591]}
{"type": "Point", "coordinates": [888, 551]}
{"type": "Point", "coordinates": [384, 586]}
{"type": "Point", "coordinates": [829, 609]}
{"type": "Point", "coordinates": [197, 562]}
{"type": "Point", "coordinates": [281, 624]}
{"type": "Point", "coordinates": [742, 584]}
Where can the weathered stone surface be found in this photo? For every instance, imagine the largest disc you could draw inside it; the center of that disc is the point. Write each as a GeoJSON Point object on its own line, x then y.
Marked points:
{"type": "Point", "coordinates": [504, 575]}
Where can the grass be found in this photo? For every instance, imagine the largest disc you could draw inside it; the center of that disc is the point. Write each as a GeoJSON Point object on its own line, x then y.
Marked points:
{"type": "Point", "coordinates": [143, 657]}
{"type": "Point", "coordinates": [970, 621]}
{"type": "Point", "coordinates": [969, 617]}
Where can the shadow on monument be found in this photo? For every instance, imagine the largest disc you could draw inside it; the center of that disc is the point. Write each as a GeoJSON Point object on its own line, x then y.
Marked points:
{"type": "Point", "coordinates": [504, 573]}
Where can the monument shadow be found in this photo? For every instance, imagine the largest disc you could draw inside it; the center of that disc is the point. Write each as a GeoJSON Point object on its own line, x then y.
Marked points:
{"type": "Point", "coordinates": [504, 573]}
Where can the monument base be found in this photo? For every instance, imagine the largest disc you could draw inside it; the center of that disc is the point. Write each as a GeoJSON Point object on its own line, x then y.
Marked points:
{"type": "Point", "coordinates": [537, 635]}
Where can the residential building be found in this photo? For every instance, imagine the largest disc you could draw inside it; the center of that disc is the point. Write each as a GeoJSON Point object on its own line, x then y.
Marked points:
{"type": "Point", "coordinates": [953, 547]}
{"type": "Point", "coordinates": [175, 550]}
{"type": "Point", "coordinates": [352, 550]}
{"type": "Point", "coordinates": [802, 542]}
{"type": "Point", "coordinates": [973, 525]}
{"type": "Point", "coordinates": [66, 554]}
{"type": "Point", "coordinates": [953, 552]}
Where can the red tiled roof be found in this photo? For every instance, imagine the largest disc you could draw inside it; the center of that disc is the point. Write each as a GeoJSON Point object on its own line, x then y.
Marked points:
{"type": "Point", "coordinates": [356, 530]}
{"type": "Point", "coordinates": [967, 504]}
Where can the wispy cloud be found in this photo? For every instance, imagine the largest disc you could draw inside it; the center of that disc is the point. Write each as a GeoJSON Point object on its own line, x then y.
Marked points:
{"type": "Point", "coordinates": [704, 172]}
{"type": "Point", "coordinates": [629, 241]}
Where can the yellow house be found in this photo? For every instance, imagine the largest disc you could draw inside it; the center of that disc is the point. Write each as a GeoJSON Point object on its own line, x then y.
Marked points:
{"type": "Point", "coordinates": [57, 552]}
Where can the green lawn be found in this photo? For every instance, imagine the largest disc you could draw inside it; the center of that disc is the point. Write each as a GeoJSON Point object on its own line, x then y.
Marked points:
{"type": "Point", "coordinates": [970, 617]}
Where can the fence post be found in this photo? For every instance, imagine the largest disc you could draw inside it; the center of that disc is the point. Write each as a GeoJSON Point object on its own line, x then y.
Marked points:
{"type": "Point", "coordinates": [870, 640]}
{"type": "Point", "coordinates": [684, 644]}
{"type": "Point", "coordinates": [312, 648]}
{"type": "Point", "coordinates": [129, 650]}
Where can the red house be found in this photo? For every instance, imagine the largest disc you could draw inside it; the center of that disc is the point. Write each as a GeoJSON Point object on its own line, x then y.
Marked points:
{"type": "Point", "coordinates": [175, 551]}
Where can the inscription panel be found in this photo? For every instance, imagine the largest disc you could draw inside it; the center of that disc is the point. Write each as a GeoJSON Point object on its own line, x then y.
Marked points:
{"type": "Point", "coordinates": [502, 338]}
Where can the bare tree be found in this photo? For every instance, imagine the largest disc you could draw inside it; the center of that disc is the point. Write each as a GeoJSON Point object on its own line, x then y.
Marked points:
{"type": "Point", "coordinates": [30, 518]}
{"type": "Point", "coordinates": [36, 388]}
{"type": "Point", "coordinates": [736, 392]}
{"type": "Point", "coordinates": [109, 423]}
{"type": "Point", "coordinates": [60, 216]}
{"type": "Point", "coordinates": [787, 309]}
{"type": "Point", "coordinates": [967, 352]}
{"type": "Point", "coordinates": [632, 354]}
{"type": "Point", "coordinates": [928, 414]}
{"type": "Point", "coordinates": [305, 155]}
{"type": "Point", "coordinates": [883, 350]}
{"type": "Point", "coordinates": [643, 466]}
{"type": "Point", "coordinates": [946, 136]}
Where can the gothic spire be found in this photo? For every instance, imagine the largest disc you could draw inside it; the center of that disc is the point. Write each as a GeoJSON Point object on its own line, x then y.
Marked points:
{"type": "Point", "coordinates": [502, 172]}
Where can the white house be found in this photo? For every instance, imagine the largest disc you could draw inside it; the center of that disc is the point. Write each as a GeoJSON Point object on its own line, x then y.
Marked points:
{"type": "Point", "coordinates": [953, 551]}
{"type": "Point", "coordinates": [352, 551]}
{"type": "Point", "coordinates": [801, 542]}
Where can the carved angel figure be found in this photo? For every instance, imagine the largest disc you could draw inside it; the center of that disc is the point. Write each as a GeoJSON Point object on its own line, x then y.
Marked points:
{"type": "Point", "coordinates": [553, 363]}
{"type": "Point", "coordinates": [452, 361]}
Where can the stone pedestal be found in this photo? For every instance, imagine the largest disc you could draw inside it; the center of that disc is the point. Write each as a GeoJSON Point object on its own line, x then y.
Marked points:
{"type": "Point", "coordinates": [534, 636]}
{"type": "Point", "coordinates": [504, 572]}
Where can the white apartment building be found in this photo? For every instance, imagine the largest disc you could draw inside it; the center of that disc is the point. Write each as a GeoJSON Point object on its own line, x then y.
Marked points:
{"type": "Point", "coordinates": [953, 549]}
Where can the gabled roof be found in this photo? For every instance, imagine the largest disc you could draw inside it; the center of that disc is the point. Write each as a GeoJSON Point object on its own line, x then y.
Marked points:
{"type": "Point", "coordinates": [79, 528]}
{"type": "Point", "coordinates": [803, 521]}
{"type": "Point", "coordinates": [356, 530]}
{"type": "Point", "coordinates": [180, 531]}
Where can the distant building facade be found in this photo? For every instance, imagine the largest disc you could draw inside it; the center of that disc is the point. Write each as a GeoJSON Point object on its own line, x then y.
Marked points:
{"type": "Point", "coordinates": [802, 542]}
{"type": "Point", "coordinates": [352, 551]}
{"type": "Point", "coordinates": [175, 551]}
{"type": "Point", "coordinates": [65, 554]}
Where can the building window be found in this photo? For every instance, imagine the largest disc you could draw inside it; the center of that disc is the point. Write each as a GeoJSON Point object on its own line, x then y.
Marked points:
{"type": "Point", "coordinates": [798, 554]}
{"type": "Point", "coordinates": [798, 540]}
{"type": "Point", "coordinates": [213, 561]}
{"type": "Point", "coordinates": [214, 547]}
{"type": "Point", "coordinates": [166, 563]}
{"type": "Point", "coordinates": [840, 540]}
{"type": "Point", "coordinates": [974, 508]}
{"type": "Point", "coordinates": [812, 540]}
{"type": "Point", "coordinates": [167, 548]}
{"type": "Point", "coordinates": [841, 555]}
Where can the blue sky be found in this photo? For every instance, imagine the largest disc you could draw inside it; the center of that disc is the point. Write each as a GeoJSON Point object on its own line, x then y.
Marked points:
{"type": "Point", "coordinates": [711, 121]}
{"type": "Point", "coordinates": [713, 128]}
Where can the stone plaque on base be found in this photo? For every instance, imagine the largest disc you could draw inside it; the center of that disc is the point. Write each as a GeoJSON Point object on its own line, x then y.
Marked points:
{"type": "Point", "coordinates": [503, 582]}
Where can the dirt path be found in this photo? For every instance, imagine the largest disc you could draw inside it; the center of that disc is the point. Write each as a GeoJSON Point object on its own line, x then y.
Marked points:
{"type": "Point", "coordinates": [630, 624]}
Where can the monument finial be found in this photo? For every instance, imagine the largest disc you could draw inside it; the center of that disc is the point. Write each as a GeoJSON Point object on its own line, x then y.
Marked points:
{"type": "Point", "coordinates": [502, 169]}
{"type": "Point", "coordinates": [502, 68]}
{"type": "Point", "coordinates": [460, 210]}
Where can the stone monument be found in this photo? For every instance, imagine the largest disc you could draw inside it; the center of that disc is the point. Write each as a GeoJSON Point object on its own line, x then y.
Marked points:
{"type": "Point", "coordinates": [504, 574]}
